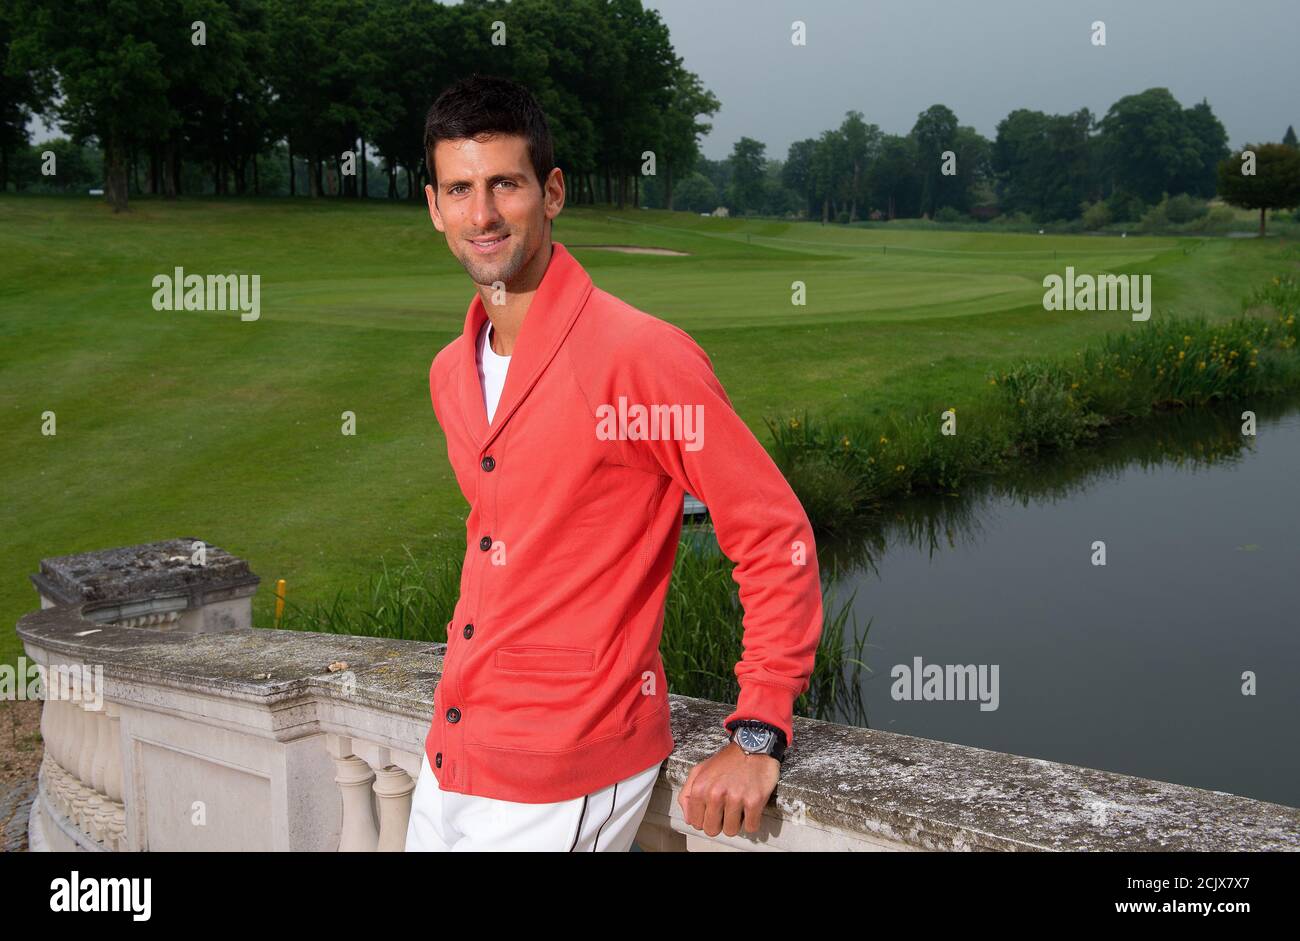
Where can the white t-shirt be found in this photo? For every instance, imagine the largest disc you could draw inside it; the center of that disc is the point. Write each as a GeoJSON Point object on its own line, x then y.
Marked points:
{"type": "Point", "coordinates": [491, 371]}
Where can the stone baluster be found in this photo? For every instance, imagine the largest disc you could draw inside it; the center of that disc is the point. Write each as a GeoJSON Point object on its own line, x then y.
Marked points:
{"type": "Point", "coordinates": [81, 768]}
{"type": "Point", "coordinates": [86, 752]}
{"type": "Point", "coordinates": [354, 777]}
{"type": "Point", "coordinates": [66, 727]}
{"type": "Point", "coordinates": [393, 788]}
{"type": "Point", "coordinates": [113, 778]}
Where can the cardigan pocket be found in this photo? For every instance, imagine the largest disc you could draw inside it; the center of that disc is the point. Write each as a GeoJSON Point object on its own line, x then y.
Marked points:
{"type": "Point", "coordinates": [540, 659]}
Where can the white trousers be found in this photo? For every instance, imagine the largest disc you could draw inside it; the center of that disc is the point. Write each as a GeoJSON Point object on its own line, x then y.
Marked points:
{"type": "Point", "coordinates": [605, 820]}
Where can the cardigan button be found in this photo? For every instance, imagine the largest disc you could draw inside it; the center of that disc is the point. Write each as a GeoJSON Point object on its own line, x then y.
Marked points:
{"type": "Point", "coordinates": [437, 760]}
{"type": "Point", "coordinates": [488, 463]}
{"type": "Point", "coordinates": [453, 715]}
{"type": "Point", "coordinates": [469, 631]}
{"type": "Point", "coordinates": [485, 543]}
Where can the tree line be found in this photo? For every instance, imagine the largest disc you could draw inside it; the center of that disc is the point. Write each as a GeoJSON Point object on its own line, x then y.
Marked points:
{"type": "Point", "coordinates": [224, 83]}
{"type": "Point", "coordinates": [269, 96]}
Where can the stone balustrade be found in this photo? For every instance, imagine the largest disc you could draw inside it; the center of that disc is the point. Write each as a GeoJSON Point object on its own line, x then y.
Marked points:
{"type": "Point", "coordinates": [170, 723]}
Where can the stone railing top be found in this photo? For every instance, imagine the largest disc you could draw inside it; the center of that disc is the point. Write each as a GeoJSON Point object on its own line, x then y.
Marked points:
{"type": "Point", "coordinates": [139, 572]}
{"type": "Point", "coordinates": [898, 789]}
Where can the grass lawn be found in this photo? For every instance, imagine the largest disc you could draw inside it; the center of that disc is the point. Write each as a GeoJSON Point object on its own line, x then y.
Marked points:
{"type": "Point", "coordinates": [175, 423]}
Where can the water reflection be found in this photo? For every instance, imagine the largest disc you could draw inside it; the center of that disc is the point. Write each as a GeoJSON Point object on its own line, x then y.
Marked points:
{"type": "Point", "coordinates": [1134, 666]}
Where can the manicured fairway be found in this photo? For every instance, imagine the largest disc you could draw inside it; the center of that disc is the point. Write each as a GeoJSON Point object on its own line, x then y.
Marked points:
{"type": "Point", "coordinates": [176, 423]}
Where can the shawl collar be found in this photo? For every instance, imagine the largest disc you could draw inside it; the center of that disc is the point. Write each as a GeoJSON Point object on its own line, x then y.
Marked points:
{"type": "Point", "coordinates": [560, 297]}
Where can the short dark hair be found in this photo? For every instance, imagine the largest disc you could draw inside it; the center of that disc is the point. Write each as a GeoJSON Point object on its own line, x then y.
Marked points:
{"type": "Point", "coordinates": [481, 105]}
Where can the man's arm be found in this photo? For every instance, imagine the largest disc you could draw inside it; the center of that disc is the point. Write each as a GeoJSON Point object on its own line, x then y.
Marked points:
{"type": "Point", "coordinates": [759, 521]}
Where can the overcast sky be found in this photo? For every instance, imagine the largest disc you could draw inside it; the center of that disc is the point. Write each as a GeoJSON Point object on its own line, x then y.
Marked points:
{"type": "Point", "coordinates": [892, 59]}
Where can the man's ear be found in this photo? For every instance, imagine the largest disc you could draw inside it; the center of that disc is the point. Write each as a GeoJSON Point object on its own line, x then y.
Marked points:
{"type": "Point", "coordinates": [434, 214]}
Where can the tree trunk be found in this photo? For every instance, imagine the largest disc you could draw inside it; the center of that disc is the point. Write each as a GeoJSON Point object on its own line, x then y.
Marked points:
{"type": "Point", "coordinates": [293, 177]}
{"type": "Point", "coordinates": [363, 191]}
{"type": "Point", "coordinates": [257, 189]}
{"type": "Point", "coordinates": [115, 190]}
{"type": "Point", "coordinates": [668, 188]}
{"type": "Point", "coordinates": [853, 205]}
{"type": "Point", "coordinates": [1261, 221]}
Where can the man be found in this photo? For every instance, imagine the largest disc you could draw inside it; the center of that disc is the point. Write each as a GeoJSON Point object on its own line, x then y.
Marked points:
{"type": "Point", "coordinates": [575, 424]}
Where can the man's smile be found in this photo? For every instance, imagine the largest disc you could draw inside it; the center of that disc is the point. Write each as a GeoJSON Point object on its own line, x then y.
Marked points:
{"type": "Point", "coordinates": [488, 245]}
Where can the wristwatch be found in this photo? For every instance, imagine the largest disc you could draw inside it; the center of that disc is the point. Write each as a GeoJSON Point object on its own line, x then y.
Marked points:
{"type": "Point", "coordinates": [758, 738]}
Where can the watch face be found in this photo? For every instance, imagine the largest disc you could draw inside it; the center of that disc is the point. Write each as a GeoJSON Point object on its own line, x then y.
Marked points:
{"type": "Point", "coordinates": [752, 740]}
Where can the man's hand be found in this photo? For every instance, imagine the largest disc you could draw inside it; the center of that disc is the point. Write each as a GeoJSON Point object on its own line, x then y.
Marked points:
{"type": "Point", "coordinates": [727, 789]}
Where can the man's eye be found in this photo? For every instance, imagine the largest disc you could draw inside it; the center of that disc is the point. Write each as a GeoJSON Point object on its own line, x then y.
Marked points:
{"type": "Point", "coordinates": [507, 182]}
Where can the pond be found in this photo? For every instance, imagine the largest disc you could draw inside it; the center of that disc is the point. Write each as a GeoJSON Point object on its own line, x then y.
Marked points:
{"type": "Point", "coordinates": [1134, 666]}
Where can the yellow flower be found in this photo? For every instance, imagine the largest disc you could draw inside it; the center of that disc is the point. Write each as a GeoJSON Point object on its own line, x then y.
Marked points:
{"type": "Point", "coordinates": [1201, 364]}
{"type": "Point", "coordinates": [871, 460]}
{"type": "Point", "coordinates": [899, 467]}
{"type": "Point", "coordinates": [1182, 353]}
{"type": "Point", "coordinates": [794, 423]}
{"type": "Point", "coordinates": [993, 382]}
{"type": "Point", "coordinates": [1187, 340]}
{"type": "Point", "coordinates": [845, 441]}
{"type": "Point", "coordinates": [1074, 385]}
{"type": "Point", "coordinates": [1022, 401]}
{"type": "Point", "coordinates": [884, 440]}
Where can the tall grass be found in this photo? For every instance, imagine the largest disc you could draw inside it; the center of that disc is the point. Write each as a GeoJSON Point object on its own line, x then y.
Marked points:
{"type": "Point", "coordinates": [703, 636]}
{"type": "Point", "coordinates": [412, 599]}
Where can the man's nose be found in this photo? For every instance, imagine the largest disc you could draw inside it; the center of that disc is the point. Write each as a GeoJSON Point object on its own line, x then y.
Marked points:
{"type": "Point", "coordinates": [483, 211]}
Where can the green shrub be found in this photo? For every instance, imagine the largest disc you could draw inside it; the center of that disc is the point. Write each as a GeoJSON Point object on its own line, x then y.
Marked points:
{"type": "Point", "coordinates": [1096, 216]}
{"type": "Point", "coordinates": [1184, 208]}
{"type": "Point", "coordinates": [1156, 218]}
{"type": "Point", "coordinates": [1125, 207]}
{"type": "Point", "coordinates": [1050, 415]}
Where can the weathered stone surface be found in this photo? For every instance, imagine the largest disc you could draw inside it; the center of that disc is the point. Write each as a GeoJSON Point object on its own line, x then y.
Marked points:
{"type": "Point", "coordinates": [134, 572]}
{"type": "Point", "coordinates": [15, 808]}
{"type": "Point", "coordinates": [912, 791]}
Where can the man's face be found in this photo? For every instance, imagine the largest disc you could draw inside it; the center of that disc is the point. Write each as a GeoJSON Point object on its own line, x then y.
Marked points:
{"type": "Point", "coordinates": [487, 190]}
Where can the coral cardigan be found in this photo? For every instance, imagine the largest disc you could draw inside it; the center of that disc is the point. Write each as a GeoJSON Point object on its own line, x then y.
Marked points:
{"type": "Point", "coordinates": [552, 686]}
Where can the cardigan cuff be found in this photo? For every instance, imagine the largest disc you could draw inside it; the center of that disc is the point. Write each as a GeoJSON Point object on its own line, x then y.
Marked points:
{"type": "Point", "coordinates": [768, 703]}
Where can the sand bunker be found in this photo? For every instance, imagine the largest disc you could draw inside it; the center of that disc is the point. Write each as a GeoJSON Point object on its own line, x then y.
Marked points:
{"type": "Point", "coordinates": [634, 249]}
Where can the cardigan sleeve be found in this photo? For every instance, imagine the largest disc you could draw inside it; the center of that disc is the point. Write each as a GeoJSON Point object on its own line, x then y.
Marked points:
{"type": "Point", "coordinates": [759, 522]}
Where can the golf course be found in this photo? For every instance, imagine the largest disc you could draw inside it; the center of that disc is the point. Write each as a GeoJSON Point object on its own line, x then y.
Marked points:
{"type": "Point", "coordinates": [197, 423]}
